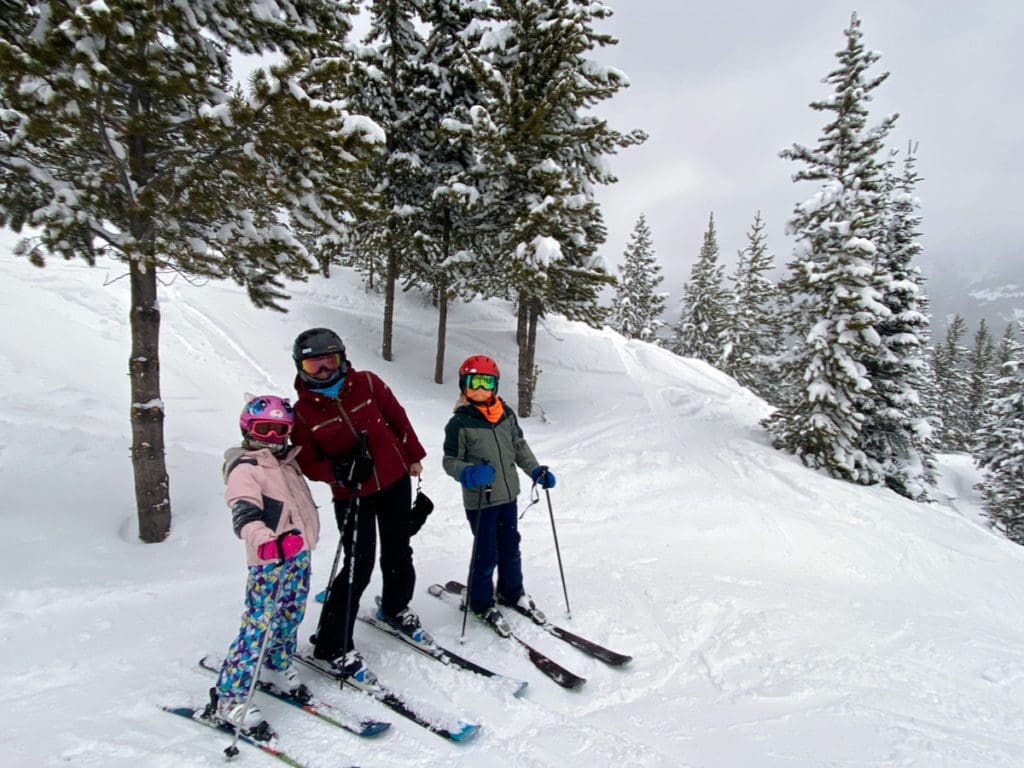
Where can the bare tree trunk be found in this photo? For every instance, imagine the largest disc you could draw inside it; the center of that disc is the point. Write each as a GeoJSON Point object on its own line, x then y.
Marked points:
{"type": "Point", "coordinates": [525, 390]}
{"type": "Point", "coordinates": [442, 331]}
{"type": "Point", "coordinates": [389, 303]}
{"type": "Point", "coordinates": [152, 492]}
{"type": "Point", "coordinates": [442, 301]}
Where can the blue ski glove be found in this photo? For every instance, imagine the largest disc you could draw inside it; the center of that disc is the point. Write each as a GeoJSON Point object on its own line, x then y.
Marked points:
{"type": "Point", "coordinates": [476, 475]}
{"type": "Point", "coordinates": [543, 476]}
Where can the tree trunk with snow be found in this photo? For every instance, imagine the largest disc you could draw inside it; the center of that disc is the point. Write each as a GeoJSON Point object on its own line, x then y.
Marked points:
{"type": "Point", "coordinates": [152, 496]}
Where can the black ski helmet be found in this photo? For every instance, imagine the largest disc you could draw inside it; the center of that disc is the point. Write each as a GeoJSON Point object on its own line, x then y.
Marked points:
{"type": "Point", "coordinates": [313, 343]}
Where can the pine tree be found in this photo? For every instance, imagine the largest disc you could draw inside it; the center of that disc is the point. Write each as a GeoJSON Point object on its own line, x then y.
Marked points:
{"type": "Point", "coordinates": [121, 137]}
{"type": "Point", "coordinates": [637, 306]}
{"type": "Point", "coordinates": [980, 376]}
{"type": "Point", "coordinates": [950, 374]}
{"type": "Point", "coordinates": [999, 450]}
{"type": "Point", "coordinates": [451, 249]}
{"type": "Point", "coordinates": [701, 329]}
{"type": "Point", "coordinates": [834, 305]}
{"type": "Point", "coordinates": [1005, 350]}
{"type": "Point", "coordinates": [386, 80]}
{"type": "Point", "coordinates": [542, 156]}
{"type": "Point", "coordinates": [754, 332]}
{"type": "Point", "coordinates": [896, 434]}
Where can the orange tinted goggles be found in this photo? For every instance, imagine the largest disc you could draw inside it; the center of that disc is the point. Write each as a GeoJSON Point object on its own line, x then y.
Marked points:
{"type": "Point", "coordinates": [321, 363]}
{"type": "Point", "coordinates": [270, 428]}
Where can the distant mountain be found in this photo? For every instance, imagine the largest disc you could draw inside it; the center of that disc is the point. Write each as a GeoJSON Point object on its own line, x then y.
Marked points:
{"type": "Point", "coordinates": [995, 294]}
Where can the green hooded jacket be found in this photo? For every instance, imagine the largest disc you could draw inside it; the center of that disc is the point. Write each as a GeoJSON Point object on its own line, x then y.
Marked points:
{"type": "Point", "coordinates": [469, 438]}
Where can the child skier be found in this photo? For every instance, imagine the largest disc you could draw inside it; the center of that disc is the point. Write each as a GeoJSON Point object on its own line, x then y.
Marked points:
{"type": "Point", "coordinates": [483, 444]}
{"type": "Point", "coordinates": [274, 514]}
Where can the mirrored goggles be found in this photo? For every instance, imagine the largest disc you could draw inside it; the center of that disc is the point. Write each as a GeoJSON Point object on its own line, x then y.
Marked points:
{"type": "Point", "coordinates": [321, 363]}
{"type": "Point", "coordinates": [270, 429]}
{"type": "Point", "coordinates": [481, 381]}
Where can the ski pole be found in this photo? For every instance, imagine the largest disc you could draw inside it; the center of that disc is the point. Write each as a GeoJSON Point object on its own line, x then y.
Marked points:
{"type": "Point", "coordinates": [472, 558]}
{"type": "Point", "coordinates": [232, 750]}
{"type": "Point", "coordinates": [334, 566]}
{"type": "Point", "coordinates": [558, 554]}
{"type": "Point", "coordinates": [363, 452]}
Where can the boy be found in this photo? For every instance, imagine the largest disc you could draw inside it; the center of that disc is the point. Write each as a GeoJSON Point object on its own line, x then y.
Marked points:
{"type": "Point", "coordinates": [483, 445]}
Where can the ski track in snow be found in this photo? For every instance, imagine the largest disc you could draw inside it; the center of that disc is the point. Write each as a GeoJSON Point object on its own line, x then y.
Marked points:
{"type": "Point", "coordinates": [777, 618]}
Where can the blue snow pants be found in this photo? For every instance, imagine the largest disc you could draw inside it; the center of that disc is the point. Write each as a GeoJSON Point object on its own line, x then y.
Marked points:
{"type": "Point", "coordinates": [497, 545]}
{"type": "Point", "coordinates": [259, 617]}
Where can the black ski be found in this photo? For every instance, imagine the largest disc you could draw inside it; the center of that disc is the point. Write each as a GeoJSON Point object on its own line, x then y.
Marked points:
{"type": "Point", "coordinates": [461, 731]}
{"type": "Point", "coordinates": [548, 666]}
{"type": "Point", "coordinates": [589, 647]}
{"type": "Point", "coordinates": [268, 746]}
{"type": "Point", "coordinates": [326, 712]}
{"type": "Point", "coordinates": [434, 651]}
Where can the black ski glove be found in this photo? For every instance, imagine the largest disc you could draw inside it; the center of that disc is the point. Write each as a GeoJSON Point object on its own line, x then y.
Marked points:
{"type": "Point", "coordinates": [354, 470]}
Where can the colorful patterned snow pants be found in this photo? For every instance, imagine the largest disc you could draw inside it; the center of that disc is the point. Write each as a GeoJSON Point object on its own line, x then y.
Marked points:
{"type": "Point", "coordinates": [240, 662]}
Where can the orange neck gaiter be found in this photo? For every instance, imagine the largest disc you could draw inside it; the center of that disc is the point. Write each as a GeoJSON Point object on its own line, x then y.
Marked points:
{"type": "Point", "coordinates": [491, 412]}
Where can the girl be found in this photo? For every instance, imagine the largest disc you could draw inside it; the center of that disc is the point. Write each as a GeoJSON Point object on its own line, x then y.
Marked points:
{"type": "Point", "coordinates": [273, 512]}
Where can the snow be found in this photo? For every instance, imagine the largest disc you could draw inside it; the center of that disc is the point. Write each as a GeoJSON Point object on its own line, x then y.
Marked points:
{"type": "Point", "coordinates": [778, 618]}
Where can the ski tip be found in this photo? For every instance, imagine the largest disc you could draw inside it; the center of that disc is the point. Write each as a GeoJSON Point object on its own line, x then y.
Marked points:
{"type": "Point", "coordinates": [183, 711]}
{"type": "Point", "coordinates": [374, 728]}
{"type": "Point", "coordinates": [465, 731]}
{"type": "Point", "coordinates": [436, 590]}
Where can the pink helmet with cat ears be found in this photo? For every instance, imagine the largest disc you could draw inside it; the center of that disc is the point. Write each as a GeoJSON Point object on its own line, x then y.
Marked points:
{"type": "Point", "coordinates": [267, 419]}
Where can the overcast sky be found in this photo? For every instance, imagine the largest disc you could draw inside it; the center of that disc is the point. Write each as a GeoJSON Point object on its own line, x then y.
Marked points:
{"type": "Point", "coordinates": [722, 87]}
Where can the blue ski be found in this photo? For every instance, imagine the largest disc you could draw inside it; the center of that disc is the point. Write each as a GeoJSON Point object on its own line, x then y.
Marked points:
{"type": "Point", "coordinates": [460, 731]}
{"type": "Point", "coordinates": [328, 713]}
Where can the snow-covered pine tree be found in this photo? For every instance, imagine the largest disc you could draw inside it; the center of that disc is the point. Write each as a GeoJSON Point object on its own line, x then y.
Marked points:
{"type": "Point", "coordinates": [121, 137]}
{"type": "Point", "coordinates": [701, 329]}
{"type": "Point", "coordinates": [980, 375]}
{"type": "Point", "coordinates": [542, 156]}
{"type": "Point", "coordinates": [451, 247]}
{"type": "Point", "coordinates": [754, 331]}
{"type": "Point", "coordinates": [896, 434]}
{"type": "Point", "coordinates": [389, 84]}
{"type": "Point", "coordinates": [834, 305]}
{"type": "Point", "coordinates": [999, 449]}
{"type": "Point", "coordinates": [950, 373]}
{"type": "Point", "coordinates": [1005, 348]}
{"type": "Point", "coordinates": [637, 305]}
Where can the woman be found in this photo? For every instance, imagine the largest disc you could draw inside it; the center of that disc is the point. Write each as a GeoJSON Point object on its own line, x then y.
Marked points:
{"type": "Point", "coordinates": [356, 436]}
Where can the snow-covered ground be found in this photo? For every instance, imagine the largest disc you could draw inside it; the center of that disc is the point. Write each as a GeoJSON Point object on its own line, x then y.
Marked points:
{"type": "Point", "coordinates": [777, 618]}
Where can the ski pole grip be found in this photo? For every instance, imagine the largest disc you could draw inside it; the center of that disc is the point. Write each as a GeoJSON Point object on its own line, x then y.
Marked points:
{"type": "Point", "coordinates": [488, 488]}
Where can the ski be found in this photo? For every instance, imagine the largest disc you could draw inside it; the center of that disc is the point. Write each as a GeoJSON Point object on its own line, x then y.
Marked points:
{"type": "Point", "coordinates": [268, 746]}
{"type": "Point", "coordinates": [434, 651]}
{"type": "Point", "coordinates": [461, 731]}
{"type": "Point", "coordinates": [589, 647]}
{"type": "Point", "coordinates": [329, 714]}
{"type": "Point", "coordinates": [548, 666]}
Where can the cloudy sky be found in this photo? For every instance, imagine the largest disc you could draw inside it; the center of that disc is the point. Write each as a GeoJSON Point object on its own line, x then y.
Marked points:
{"type": "Point", "coordinates": [722, 87]}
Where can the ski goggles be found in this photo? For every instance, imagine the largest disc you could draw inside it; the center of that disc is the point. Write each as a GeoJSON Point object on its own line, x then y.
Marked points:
{"type": "Point", "coordinates": [321, 363]}
{"type": "Point", "coordinates": [481, 381]}
{"type": "Point", "coordinates": [270, 429]}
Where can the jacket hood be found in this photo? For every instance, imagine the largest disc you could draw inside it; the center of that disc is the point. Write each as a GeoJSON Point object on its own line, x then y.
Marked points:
{"type": "Point", "coordinates": [263, 456]}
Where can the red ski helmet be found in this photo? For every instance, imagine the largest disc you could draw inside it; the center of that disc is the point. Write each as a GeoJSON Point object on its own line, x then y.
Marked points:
{"type": "Point", "coordinates": [477, 364]}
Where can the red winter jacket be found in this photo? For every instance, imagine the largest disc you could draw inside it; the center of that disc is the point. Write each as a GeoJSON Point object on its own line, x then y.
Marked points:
{"type": "Point", "coordinates": [327, 428]}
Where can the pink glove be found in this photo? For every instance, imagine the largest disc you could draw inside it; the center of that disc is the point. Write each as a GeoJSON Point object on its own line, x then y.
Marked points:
{"type": "Point", "coordinates": [291, 545]}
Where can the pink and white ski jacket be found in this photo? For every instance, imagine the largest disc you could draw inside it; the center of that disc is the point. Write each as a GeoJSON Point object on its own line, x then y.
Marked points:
{"type": "Point", "coordinates": [268, 496]}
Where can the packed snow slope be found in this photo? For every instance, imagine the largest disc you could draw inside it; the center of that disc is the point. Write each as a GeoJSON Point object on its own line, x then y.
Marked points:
{"type": "Point", "coordinates": [778, 618]}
